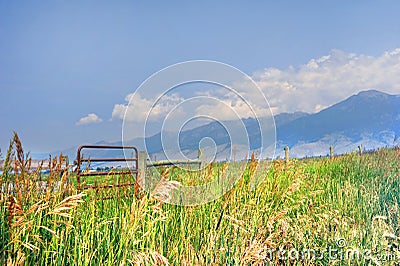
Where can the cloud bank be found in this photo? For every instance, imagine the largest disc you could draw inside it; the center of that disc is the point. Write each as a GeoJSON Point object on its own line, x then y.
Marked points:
{"type": "Point", "coordinates": [310, 87]}
{"type": "Point", "coordinates": [326, 80]}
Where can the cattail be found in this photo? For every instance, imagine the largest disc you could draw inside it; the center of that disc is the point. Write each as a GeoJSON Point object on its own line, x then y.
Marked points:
{"type": "Point", "coordinates": [253, 164]}
{"type": "Point", "coordinates": [14, 209]}
{"type": "Point", "coordinates": [17, 181]}
{"type": "Point", "coordinates": [7, 161]}
{"type": "Point", "coordinates": [28, 164]}
{"type": "Point", "coordinates": [10, 211]}
{"type": "Point", "coordinates": [20, 151]}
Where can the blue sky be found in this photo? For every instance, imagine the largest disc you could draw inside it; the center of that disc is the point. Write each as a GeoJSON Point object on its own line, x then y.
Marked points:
{"type": "Point", "coordinates": [63, 60]}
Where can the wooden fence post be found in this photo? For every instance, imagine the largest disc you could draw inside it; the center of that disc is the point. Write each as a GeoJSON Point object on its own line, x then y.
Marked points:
{"type": "Point", "coordinates": [331, 152]}
{"type": "Point", "coordinates": [200, 157]}
{"type": "Point", "coordinates": [287, 154]}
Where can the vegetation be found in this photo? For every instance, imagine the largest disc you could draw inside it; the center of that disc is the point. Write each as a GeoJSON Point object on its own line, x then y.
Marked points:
{"type": "Point", "coordinates": [347, 203]}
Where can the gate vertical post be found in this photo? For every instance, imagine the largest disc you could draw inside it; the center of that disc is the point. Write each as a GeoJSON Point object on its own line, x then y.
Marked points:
{"type": "Point", "coordinates": [142, 165]}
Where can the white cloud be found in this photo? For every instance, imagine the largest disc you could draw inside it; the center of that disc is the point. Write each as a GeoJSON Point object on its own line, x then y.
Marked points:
{"type": "Point", "coordinates": [228, 107]}
{"type": "Point", "coordinates": [326, 80]}
{"type": "Point", "coordinates": [137, 108]}
{"type": "Point", "coordinates": [89, 119]}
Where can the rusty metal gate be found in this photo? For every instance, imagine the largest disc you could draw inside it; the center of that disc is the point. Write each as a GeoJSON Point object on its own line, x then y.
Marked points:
{"type": "Point", "coordinates": [129, 170]}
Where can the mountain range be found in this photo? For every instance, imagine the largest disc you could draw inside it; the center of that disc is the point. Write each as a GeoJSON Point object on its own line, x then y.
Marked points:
{"type": "Point", "coordinates": [370, 118]}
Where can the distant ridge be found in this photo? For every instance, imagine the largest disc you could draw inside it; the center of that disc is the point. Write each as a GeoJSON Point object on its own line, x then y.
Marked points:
{"type": "Point", "coordinates": [370, 118]}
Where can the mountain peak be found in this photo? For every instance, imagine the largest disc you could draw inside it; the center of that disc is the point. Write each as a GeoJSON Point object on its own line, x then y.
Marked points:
{"type": "Point", "coordinates": [372, 94]}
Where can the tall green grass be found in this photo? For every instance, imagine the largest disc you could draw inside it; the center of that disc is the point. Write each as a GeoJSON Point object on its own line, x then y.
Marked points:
{"type": "Point", "coordinates": [310, 203]}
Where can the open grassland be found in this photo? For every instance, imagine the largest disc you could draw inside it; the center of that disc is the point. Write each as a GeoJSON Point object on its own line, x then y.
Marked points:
{"type": "Point", "coordinates": [349, 202]}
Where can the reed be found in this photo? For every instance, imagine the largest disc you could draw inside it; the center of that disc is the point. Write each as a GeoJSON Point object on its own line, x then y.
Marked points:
{"type": "Point", "coordinates": [302, 204]}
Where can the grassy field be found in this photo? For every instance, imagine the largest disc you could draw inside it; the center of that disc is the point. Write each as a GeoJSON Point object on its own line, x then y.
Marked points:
{"type": "Point", "coordinates": [339, 211]}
